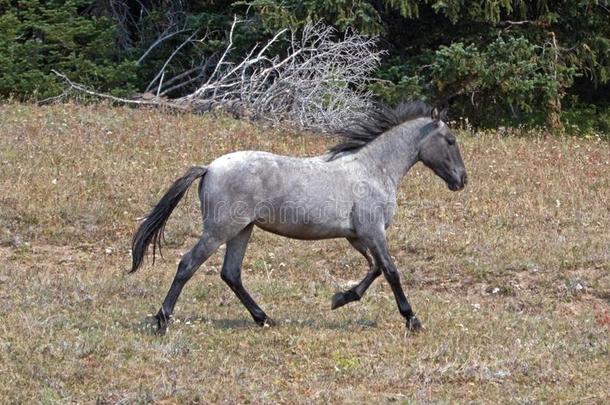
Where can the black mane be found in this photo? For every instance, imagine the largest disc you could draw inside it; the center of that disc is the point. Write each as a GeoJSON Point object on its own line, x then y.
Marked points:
{"type": "Point", "coordinates": [364, 130]}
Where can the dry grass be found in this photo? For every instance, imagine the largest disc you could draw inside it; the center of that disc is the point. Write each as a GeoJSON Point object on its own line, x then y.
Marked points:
{"type": "Point", "coordinates": [511, 277]}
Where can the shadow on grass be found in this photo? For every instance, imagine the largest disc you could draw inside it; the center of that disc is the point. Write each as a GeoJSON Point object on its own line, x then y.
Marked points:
{"type": "Point", "coordinates": [148, 325]}
{"type": "Point", "coordinates": [247, 323]}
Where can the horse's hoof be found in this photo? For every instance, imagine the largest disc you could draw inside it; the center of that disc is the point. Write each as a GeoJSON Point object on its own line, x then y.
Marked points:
{"type": "Point", "coordinates": [342, 298]}
{"type": "Point", "coordinates": [161, 324]}
{"type": "Point", "coordinates": [268, 323]}
{"type": "Point", "coordinates": [414, 325]}
{"type": "Point", "coordinates": [161, 330]}
{"type": "Point", "coordinates": [338, 300]}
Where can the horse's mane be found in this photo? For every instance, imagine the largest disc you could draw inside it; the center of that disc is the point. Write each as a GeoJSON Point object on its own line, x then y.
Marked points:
{"type": "Point", "coordinates": [381, 119]}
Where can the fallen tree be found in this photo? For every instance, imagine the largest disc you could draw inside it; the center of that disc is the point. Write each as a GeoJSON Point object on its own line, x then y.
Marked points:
{"type": "Point", "coordinates": [318, 82]}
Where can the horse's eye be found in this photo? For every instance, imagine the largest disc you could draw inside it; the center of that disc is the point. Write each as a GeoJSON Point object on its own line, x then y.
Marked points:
{"type": "Point", "coordinates": [450, 140]}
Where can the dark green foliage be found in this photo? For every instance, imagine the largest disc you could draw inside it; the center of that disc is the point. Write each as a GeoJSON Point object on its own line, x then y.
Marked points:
{"type": "Point", "coordinates": [587, 120]}
{"type": "Point", "coordinates": [509, 80]}
{"type": "Point", "coordinates": [37, 36]}
{"type": "Point", "coordinates": [499, 61]}
{"type": "Point", "coordinates": [493, 61]}
{"type": "Point", "coordinates": [343, 14]}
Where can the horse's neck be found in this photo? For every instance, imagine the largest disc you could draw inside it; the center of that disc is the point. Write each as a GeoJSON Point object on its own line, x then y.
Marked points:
{"type": "Point", "coordinates": [396, 151]}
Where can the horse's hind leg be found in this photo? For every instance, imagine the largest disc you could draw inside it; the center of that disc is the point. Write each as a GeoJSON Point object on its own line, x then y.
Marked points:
{"type": "Point", "coordinates": [355, 293]}
{"type": "Point", "coordinates": [189, 264]}
{"type": "Point", "coordinates": [231, 274]}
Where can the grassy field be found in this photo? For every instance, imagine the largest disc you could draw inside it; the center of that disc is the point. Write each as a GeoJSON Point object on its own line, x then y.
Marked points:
{"type": "Point", "coordinates": [511, 277]}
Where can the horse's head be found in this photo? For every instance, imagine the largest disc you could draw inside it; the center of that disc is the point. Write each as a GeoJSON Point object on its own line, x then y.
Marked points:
{"type": "Point", "coordinates": [439, 151]}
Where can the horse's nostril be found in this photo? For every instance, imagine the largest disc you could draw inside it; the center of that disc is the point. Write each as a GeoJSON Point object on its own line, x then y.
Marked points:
{"type": "Point", "coordinates": [464, 179]}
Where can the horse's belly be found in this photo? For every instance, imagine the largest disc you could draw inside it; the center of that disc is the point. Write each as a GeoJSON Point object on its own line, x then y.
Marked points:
{"type": "Point", "coordinates": [307, 231]}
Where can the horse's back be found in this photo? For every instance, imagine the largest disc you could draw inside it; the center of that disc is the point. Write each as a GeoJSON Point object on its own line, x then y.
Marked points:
{"type": "Point", "coordinates": [305, 198]}
{"type": "Point", "coordinates": [253, 172]}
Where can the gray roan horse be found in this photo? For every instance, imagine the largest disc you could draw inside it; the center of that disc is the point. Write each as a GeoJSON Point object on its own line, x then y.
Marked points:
{"type": "Point", "coordinates": [349, 192]}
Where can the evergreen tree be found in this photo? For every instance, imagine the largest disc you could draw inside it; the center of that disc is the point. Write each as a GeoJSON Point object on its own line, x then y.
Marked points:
{"type": "Point", "coordinates": [494, 61]}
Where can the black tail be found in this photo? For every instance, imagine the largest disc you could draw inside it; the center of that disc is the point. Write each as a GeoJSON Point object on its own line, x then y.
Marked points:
{"type": "Point", "coordinates": [151, 230]}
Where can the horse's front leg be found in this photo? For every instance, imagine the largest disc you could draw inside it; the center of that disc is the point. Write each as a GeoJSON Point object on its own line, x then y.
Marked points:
{"type": "Point", "coordinates": [375, 241]}
{"type": "Point", "coordinates": [355, 293]}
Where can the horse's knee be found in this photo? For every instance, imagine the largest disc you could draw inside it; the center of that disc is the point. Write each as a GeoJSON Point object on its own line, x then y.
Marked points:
{"type": "Point", "coordinates": [230, 276]}
{"type": "Point", "coordinates": [392, 275]}
{"type": "Point", "coordinates": [185, 270]}
{"type": "Point", "coordinates": [193, 259]}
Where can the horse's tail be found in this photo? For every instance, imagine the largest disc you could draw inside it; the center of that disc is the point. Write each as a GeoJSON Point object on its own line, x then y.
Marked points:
{"type": "Point", "coordinates": [151, 230]}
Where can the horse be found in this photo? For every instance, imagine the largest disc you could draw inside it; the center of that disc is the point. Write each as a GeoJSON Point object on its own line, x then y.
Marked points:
{"type": "Point", "coordinates": [348, 192]}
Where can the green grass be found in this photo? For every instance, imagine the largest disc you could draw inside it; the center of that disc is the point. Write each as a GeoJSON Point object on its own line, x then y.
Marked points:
{"type": "Point", "coordinates": [511, 277]}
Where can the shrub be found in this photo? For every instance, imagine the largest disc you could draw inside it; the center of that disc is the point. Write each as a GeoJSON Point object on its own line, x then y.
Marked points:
{"type": "Point", "coordinates": [37, 36]}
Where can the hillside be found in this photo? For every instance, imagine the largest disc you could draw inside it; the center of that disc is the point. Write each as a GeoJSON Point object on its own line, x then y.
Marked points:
{"type": "Point", "coordinates": [511, 277]}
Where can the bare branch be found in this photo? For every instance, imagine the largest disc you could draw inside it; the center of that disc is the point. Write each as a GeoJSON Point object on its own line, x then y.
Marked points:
{"type": "Point", "coordinates": [514, 23]}
{"type": "Point", "coordinates": [83, 89]}
{"type": "Point", "coordinates": [162, 38]}
{"type": "Point", "coordinates": [318, 82]}
{"type": "Point", "coordinates": [52, 99]}
{"type": "Point", "coordinates": [162, 71]}
{"type": "Point", "coordinates": [227, 50]}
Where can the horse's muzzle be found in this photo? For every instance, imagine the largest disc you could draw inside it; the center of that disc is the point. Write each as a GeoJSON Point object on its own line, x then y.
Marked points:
{"type": "Point", "coordinates": [459, 185]}
{"type": "Point", "coordinates": [464, 179]}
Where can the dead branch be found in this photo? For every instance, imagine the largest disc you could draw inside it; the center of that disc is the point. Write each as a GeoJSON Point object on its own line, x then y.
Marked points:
{"type": "Point", "coordinates": [317, 82]}
{"type": "Point", "coordinates": [165, 36]}
{"type": "Point", "coordinates": [162, 70]}
{"type": "Point", "coordinates": [72, 86]}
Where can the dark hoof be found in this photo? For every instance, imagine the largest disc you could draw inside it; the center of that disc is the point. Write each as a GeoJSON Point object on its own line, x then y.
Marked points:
{"type": "Point", "coordinates": [161, 323]}
{"type": "Point", "coordinates": [342, 298]}
{"type": "Point", "coordinates": [267, 323]}
{"type": "Point", "coordinates": [338, 300]}
{"type": "Point", "coordinates": [414, 325]}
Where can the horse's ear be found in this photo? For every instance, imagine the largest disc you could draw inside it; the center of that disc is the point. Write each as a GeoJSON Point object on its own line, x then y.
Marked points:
{"type": "Point", "coordinates": [444, 113]}
{"type": "Point", "coordinates": [435, 115]}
